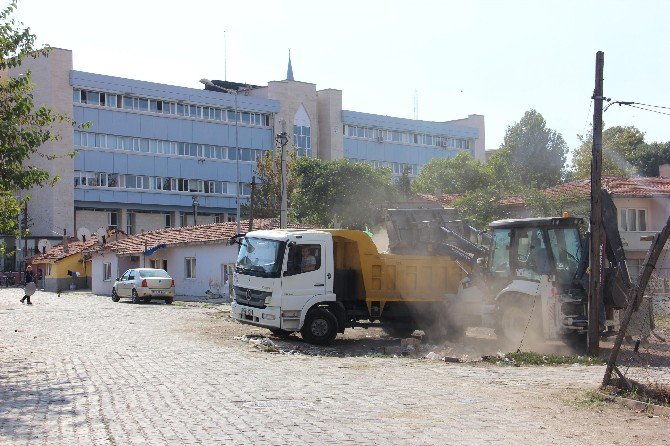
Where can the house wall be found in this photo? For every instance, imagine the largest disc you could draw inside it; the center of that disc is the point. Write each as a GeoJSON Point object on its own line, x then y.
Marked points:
{"type": "Point", "coordinates": [209, 259]}
{"type": "Point", "coordinates": [98, 285]}
{"type": "Point", "coordinates": [59, 279]}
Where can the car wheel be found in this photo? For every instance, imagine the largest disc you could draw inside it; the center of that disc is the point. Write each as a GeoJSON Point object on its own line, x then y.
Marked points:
{"type": "Point", "coordinates": [320, 327]}
{"type": "Point", "coordinates": [168, 300]}
{"type": "Point", "coordinates": [115, 297]}
{"type": "Point", "coordinates": [146, 300]}
{"type": "Point", "coordinates": [136, 298]}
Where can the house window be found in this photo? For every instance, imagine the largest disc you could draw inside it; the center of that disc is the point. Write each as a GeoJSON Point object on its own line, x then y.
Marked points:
{"type": "Point", "coordinates": [112, 220]}
{"type": "Point", "coordinates": [106, 271]}
{"type": "Point", "coordinates": [130, 223]}
{"type": "Point", "coordinates": [168, 220]}
{"type": "Point", "coordinates": [633, 219]}
{"type": "Point", "coordinates": [182, 219]}
{"type": "Point", "coordinates": [48, 269]}
{"type": "Point", "coordinates": [159, 264]}
{"type": "Point", "coordinates": [189, 264]}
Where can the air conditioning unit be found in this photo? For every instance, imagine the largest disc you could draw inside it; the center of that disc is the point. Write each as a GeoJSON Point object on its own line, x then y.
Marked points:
{"type": "Point", "coordinates": [380, 139]}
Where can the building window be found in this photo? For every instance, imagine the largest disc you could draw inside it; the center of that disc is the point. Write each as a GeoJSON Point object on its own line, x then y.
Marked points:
{"type": "Point", "coordinates": [130, 223]}
{"type": "Point", "coordinates": [302, 140]}
{"type": "Point", "coordinates": [218, 218]}
{"type": "Point", "coordinates": [168, 220]}
{"type": "Point", "coordinates": [107, 271]}
{"type": "Point", "coordinates": [189, 264]}
{"type": "Point", "coordinates": [112, 220]}
{"type": "Point", "coordinates": [182, 219]}
{"type": "Point", "coordinates": [232, 217]}
{"type": "Point", "coordinates": [158, 264]}
{"type": "Point", "coordinates": [633, 219]}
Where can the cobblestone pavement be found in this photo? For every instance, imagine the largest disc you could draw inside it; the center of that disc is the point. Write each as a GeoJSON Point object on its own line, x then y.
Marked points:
{"type": "Point", "coordinates": [81, 370]}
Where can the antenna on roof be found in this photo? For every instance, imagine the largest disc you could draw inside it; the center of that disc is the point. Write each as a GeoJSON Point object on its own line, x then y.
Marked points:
{"type": "Point", "coordinates": [416, 104]}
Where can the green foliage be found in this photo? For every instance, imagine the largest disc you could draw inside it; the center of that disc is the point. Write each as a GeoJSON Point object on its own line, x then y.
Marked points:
{"type": "Point", "coordinates": [23, 127]}
{"type": "Point", "coordinates": [267, 196]}
{"type": "Point", "coordinates": [519, 359]}
{"type": "Point", "coordinates": [533, 153]}
{"type": "Point", "coordinates": [649, 157]}
{"type": "Point", "coordinates": [483, 206]}
{"type": "Point", "coordinates": [342, 191]}
{"type": "Point", "coordinates": [404, 184]}
{"type": "Point", "coordinates": [457, 175]}
{"type": "Point", "coordinates": [621, 147]}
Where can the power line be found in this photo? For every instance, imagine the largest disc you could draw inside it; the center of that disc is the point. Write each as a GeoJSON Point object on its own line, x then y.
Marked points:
{"type": "Point", "coordinates": [647, 109]}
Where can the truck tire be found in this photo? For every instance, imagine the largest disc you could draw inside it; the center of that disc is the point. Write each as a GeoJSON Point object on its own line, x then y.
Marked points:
{"type": "Point", "coordinates": [320, 327]}
{"type": "Point", "coordinates": [519, 322]}
{"type": "Point", "coordinates": [282, 334]}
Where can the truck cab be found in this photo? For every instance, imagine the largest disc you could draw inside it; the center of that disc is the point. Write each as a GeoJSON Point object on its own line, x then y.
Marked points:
{"type": "Point", "coordinates": [279, 275]}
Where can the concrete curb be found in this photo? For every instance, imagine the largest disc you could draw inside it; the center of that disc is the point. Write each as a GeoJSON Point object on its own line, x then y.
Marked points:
{"type": "Point", "coordinates": [638, 406]}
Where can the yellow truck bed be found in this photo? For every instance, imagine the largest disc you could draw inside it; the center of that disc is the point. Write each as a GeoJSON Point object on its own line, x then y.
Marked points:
{"type": "Point", "coordinates": [391, 277]}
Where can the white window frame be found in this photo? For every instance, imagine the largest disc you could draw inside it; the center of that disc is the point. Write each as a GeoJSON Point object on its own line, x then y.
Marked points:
{"type": "Point", "coordinates": [190, 268]}
{"type": "Point", "coordinates": [629, 219]}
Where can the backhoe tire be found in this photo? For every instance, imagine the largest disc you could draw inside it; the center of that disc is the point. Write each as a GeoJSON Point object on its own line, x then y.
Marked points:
{"type": "Point", "coordinates": [320, 327]}
{"type": "Point", "coordinates": [519, 323]}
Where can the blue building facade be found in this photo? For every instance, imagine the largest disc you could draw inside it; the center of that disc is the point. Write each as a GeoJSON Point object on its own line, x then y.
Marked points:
{"type": "Point", "coordinates": [152, 154]}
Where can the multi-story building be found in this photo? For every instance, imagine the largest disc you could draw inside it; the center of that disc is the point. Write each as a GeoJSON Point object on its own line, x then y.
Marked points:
{"type": "Point", "coordinates": [151, 154]}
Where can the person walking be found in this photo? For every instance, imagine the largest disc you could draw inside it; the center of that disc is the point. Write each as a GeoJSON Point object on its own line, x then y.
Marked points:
{"type": "Point", "coordinates": [29, 283]}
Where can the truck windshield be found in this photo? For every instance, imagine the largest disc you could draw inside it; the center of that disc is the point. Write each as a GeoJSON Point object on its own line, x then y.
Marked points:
{"type": "Point", "coordinates": [566, 247]}
{"type": "Point", "coordinates": [260, 257]}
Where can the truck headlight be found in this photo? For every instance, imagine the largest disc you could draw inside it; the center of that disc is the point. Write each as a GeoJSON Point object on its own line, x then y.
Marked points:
{"type": "Point", "coordinates": [290, 314]}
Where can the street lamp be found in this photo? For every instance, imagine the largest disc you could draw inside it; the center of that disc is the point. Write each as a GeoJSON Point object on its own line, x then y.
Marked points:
{"type": "Point", "coordinates": [211, 84]}
{"type": "Point", "coordinates": [196, 203]}
{"type": "Point", "coordinates": [282, 140]}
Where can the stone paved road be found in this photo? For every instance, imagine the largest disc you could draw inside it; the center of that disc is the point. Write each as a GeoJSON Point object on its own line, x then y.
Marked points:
{"type": "Point", "coordinates": [81, 370]}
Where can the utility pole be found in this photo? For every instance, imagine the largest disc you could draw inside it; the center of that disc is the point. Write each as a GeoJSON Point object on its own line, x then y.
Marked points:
{"type": "Point", "coordinates": [282, 140]}
{"type": "Point", "coordinates": [596, 220]}
{"type": "Point", "coordinates": [251, 204]}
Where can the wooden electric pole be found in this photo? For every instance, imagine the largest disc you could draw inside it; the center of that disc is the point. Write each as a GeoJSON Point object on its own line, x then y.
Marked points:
{"type": "Point", "coordinates": [596, 220]}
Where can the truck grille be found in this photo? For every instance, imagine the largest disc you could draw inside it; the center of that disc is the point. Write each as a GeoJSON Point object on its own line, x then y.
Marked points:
{"type": "Point", "coordinates": [253, 298]}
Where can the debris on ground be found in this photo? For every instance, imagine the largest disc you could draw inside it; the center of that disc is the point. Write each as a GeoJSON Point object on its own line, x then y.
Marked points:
{"type": "Point", "coordinates": [408, 347]}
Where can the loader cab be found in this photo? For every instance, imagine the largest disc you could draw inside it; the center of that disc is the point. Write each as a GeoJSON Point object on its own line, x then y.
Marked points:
{"type": "Point", "coordinates": [531, 248]}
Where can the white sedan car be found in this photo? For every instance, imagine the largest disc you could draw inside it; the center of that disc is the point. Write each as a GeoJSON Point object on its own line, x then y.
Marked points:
{"type": "Point", "coordinates": [144, 284]}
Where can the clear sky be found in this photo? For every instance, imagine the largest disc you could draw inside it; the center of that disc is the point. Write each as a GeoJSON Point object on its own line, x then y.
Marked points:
{"type": "Point", "coordinates": [494, 58]}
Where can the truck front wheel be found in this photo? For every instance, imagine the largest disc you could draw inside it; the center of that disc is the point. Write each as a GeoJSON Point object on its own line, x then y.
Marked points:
{"type": "Point", "coordinates": [320, 327]}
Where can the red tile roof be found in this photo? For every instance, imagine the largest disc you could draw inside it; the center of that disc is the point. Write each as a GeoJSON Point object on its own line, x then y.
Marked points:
{"type": "Point", "coordinates": [446, 200]}
{"type": "Point", "coordinates": [58, 252]}
{"type": "Point", "coordinates": [217, 232]}
{"type": "Point", "coordinates": [621, 187]}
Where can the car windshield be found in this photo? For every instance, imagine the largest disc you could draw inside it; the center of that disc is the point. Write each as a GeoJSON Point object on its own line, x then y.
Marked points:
{"type": "Point", "coordinates": [153, 273]}
{"type": "Point", "coordinates": [566, 247]}
{"type": "Point", "coordinates": [260, 257]}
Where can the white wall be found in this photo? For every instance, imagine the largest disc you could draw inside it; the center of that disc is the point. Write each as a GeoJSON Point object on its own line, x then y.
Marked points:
{"type": "Point", "coordinates": [98, 286]}
{"type": "Point", "coordinates": [209, 259]}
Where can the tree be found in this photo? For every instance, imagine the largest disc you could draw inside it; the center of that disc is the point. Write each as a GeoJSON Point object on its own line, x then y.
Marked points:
{"type": "Point", "coordinates": [533, 153]}
{"type": "Point", "coordinates": [621, 146]}
{"type": "Point", "coordinates": [404, 184]}
{"type": "Point", "coordinates": [267, 195]}
{"type": "Point", "coordinates": [650, 157]}
{"type": "Point", "coordinates": [457, 175]}
{"type": "Point", "coordinates": [23, 127]}
{"type": "Point", "coordinates": [339, 191]}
